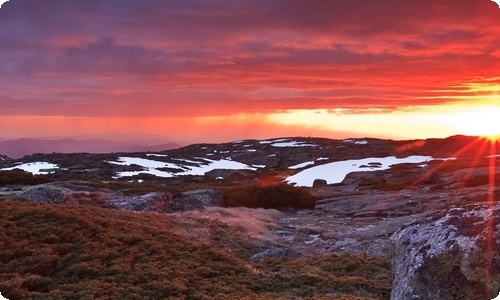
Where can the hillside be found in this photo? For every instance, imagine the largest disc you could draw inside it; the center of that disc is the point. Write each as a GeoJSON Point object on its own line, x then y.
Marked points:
{"type": "Point", "coordinates": [20, 147]}
{"type": "Point", "coordinates": [88, 252]}
{"type": "Point", "coordinates": [283, 218]}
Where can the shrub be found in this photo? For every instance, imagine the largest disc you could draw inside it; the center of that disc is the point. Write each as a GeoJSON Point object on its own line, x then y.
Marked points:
{"type": "Point", "coordinates": [17, 176]}
{"type": "Point", "coordinates": [273, 196]}
{"type": "Point", "coordinates": [82, 252]}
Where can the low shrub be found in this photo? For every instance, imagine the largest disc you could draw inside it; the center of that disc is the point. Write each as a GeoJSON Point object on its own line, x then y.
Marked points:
{"type": "Point", "coordinates": [17, 176]}
{"type": "Point", "coordinates": [273, 196]}
{"type": "Point", "coordinates": [81, 252]}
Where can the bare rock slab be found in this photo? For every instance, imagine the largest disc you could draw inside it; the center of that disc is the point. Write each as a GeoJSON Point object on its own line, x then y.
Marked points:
{"type": "Point", "coordinates": [448, 255]}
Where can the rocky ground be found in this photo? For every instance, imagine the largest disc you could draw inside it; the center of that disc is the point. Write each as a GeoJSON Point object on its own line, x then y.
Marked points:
{"type": "Point", "coordinates": [358, 215]}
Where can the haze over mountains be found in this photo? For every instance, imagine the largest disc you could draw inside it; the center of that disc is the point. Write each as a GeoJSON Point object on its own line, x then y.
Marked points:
{"type": "Point", "coordinates": [104, 143]}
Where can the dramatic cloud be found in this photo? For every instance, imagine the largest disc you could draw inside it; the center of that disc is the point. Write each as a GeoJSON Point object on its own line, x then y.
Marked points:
{"type": "Point", "coordinates": [154, 58]}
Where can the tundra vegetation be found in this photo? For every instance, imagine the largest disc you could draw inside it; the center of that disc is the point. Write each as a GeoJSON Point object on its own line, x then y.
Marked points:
{"type": "Point", "coordinates": [87, 251]}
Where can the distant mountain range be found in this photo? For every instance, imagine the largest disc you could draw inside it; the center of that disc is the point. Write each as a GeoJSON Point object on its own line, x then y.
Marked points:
{"type": "Point", "coordinates": [20, 147]}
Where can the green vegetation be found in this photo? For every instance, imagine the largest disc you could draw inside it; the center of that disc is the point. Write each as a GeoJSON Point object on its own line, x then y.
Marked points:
{"type": "Point", "coordinates": [89, 252]}
{"type": "Point", "coordinates": [273, 196]}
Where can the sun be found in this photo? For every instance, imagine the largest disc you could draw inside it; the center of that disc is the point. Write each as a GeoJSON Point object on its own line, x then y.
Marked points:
{"type": "Point", "coordinates": [479, 121]}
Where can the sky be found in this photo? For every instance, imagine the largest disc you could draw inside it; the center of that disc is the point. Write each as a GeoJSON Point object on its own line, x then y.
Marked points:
{"type": "Point", "coordinates": [222, 70]}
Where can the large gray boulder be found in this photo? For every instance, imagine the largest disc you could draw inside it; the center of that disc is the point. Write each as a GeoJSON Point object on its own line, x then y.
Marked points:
{"type": "Point", "coordinates": [207, 197]}
{"type": "Point", "coordinates": [155, 201]}
{"type": "Point", "coordinates": [449, 255]}
{"type": "Point", "coordinates": [45, 194]}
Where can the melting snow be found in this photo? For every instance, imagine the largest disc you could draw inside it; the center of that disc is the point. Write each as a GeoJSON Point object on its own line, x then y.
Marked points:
{"type": "Point", "coordinates": [292, 144]}
{"type": "Point", "coordinates": [259, 166]}
{"type": "Point", "coordinates": [272, 141]}
{"type": "Point", "coordinates": [356, 142]}
{"type": "Point", "coordinates": [335, 172]}
{"type": "Point", "coordinates": [152, 167]}
{"type": "Point", "coordinates": [301, 165]}
{"type": "Point", "coordinates": [35, 168]}
{"type": "Point", "coordinates": [145, 163]}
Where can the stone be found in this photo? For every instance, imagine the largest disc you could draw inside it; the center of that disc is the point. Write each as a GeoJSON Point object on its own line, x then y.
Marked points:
{"type": "Point", "coordinates": [44, 194]}
{"type": "Point", "coordinates": [363, 178]}
{"type": "Point", "coordinates": [207, 197]}
{"type": "Point", "coordinates": [320, 183]}
{"type": "Point", "coordinates": [156, 201]}
{"type": "Point", "coordinates": [448, 254]}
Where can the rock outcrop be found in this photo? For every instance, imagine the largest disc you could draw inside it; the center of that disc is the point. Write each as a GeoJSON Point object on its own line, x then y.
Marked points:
{"type": "Point", "coordinates": [450, 254]}
{"type": "Point", "coordinates": [44, 194]}
{"type": "Point", "coordinates": [207, 197]}
{"type": "Point", "coordinates": [4, 159]}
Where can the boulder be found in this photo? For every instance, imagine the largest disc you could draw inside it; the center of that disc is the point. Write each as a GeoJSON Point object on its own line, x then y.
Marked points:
{"type": "Point", "coordinates": [363, 178]}
{"type": "Point", "coordinates": [450, 254]}
{"type": "Point", "coordinates": [320, 183]}
{"type": "Point", "coordinates": [44, 194]}
{"type": "Point", "coordinates": [155, 201]}
{"type": "Point", "coordinates": [207, 197]}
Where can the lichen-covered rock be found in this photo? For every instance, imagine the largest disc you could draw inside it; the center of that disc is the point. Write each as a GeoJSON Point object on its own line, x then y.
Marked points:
{"type": "Point", "coordinates": [44, 194]}
{"type": "Point", "coordinates": [449, 255]}
{"type": "Point", "coordinates": [207, 197]}
{"type": "Point", "coordinates": [156, 201]}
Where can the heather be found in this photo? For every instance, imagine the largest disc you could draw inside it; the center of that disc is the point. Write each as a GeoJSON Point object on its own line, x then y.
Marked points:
{"type": "Point", "coordinates": [90, 252]}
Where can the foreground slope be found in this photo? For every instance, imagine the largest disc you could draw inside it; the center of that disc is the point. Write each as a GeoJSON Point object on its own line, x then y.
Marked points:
{"type": "Point", "coordinates": [89, 252]}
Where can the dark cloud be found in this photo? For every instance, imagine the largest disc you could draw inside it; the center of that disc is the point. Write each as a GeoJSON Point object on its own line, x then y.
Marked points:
{"type": "Point", "coordinates": [204, 57]}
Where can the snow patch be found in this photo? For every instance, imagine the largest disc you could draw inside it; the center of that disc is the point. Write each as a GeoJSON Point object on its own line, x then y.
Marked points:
{"type": "Point", "coordinates": [272, 141]}
{"type": "Point", "coordinates": [301, 165]}
{"type": "Point", "coordinates": [355, 142]}
{"type": "Point", "coordinates": [158, 155]}
{"type": "Point", "coordinates": [498, 297]}
{"type": "Point", "coordinates": [292, 144]}
{"type": "Point", "coordinates": [152, 167]}
{"type": "Point", "coordinates": [35, 168]}
{"type": "Point", "coordinates": [259, 166]}
{"type": "Point", "coordinates": [335, 172]}
{"type": "Point", "coordinates": [2, 298]}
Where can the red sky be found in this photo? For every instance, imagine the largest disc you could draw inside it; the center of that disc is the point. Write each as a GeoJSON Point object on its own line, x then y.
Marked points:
{"type": "Point", "coordinates": [231, 69]}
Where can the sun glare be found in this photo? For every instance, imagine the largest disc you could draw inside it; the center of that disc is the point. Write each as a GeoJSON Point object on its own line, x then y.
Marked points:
{"type": "Point", "coordinates": [479, 121]}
